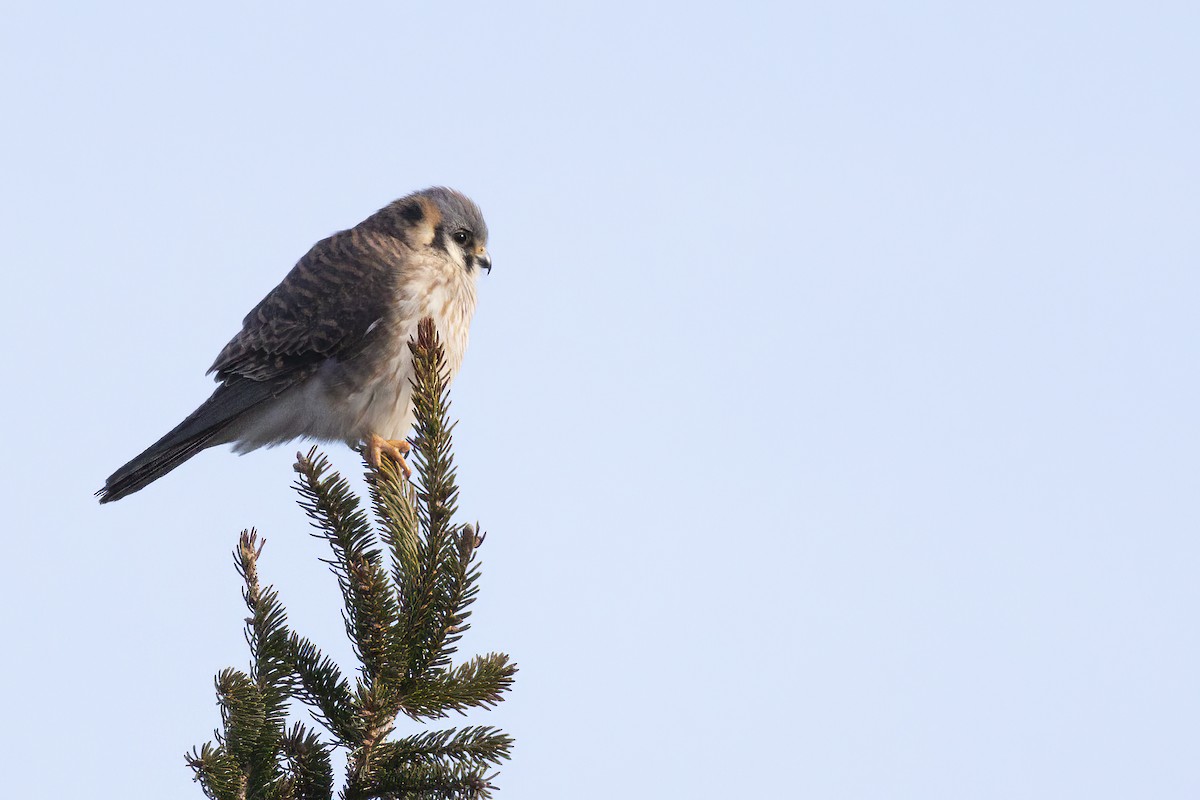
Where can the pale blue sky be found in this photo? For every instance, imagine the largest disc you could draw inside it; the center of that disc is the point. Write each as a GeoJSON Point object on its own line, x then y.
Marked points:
{"type": "Point", "coordinates": [832, 406]}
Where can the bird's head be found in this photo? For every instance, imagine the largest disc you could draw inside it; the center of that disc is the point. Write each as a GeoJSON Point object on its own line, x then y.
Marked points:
{"type": "Point", "coordinates": [451, 222]}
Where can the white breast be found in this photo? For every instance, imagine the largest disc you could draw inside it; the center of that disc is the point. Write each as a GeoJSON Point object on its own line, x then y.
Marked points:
{"type": "Point", "coordinates": [448, 296]}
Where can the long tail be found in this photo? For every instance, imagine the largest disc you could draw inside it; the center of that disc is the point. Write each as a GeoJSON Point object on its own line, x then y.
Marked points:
{"type": "Point", "coordinates": [199, 431]}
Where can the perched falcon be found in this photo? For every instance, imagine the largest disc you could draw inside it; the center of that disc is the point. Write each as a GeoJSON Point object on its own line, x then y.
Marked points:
{"type": "Point", "coordinates": [325, 355]}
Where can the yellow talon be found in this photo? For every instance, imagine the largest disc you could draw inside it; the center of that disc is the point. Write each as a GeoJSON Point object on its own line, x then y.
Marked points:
{"type": "Point", "coordinates": [375, 447]}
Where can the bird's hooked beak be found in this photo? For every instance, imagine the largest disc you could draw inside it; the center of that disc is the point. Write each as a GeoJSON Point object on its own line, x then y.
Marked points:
{"type": "Point", "coordinates": [484, 260]}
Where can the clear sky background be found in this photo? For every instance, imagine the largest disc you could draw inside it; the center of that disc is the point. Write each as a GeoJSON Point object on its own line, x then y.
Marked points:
{"type": "Point", "coordinates": [832, 406]}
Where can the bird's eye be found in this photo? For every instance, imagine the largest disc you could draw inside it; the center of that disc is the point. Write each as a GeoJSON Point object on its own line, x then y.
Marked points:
{"type": "Point", "coordinates": [462, 237]}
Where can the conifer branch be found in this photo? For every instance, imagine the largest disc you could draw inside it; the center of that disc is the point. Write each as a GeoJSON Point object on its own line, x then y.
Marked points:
{"type": "Point", "coordinates": [426, 782]}
{"type": "Point", "coordinates": [432, 587]}
{"type": "Point", "coordinates": [457, 591]}
{"type": "Point", "coordinates": [218, 773]}
{"type": "Point", "coordinates": [271, 671]}
{"type": "Point", "coordinates": [479, 682]}
{"type": "Point", "coordinates": [308, 773]}
{"type": "Point", "coordinates": [370, 605]}
{"type": "Point", "coordinates": [404, 624]}
{"type": "Point", "coordinates": [478, 745]}
{"type": "Point", "coordinates": [394, 500]}
{"type": "Point", "coordinates": [324, 690]}
{"type": "Point", "coordinates": [242, 715]}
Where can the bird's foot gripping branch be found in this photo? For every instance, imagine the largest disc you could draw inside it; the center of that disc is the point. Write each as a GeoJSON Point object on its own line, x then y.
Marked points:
{"type": "Point", "coordinates": [407, 582]}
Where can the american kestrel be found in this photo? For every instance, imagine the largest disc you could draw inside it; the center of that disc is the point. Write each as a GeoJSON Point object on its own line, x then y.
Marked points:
{"type": "Point", "coordinates": [325, 355]}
